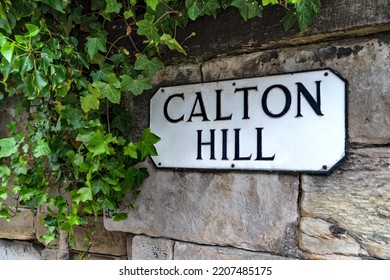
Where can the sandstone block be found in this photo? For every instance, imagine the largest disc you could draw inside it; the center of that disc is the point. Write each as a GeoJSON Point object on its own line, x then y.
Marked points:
{"type": "Point", "coordinates": [348, 212]}
{"type": "Point", "coordinates": [320, 237]}
{"type": "Point", "coordinates": [103, 241]}
{"type": "Point", "coordinates": [146, 248]}
{"type": "Point", "coordinates": [188, 251]}
{"type": "Point", "coordinates": [20, 227]}
{"type": "Point", "coordinates": [17, 250]}
{"type": "Point", "coordinates": [76, 256]}
{"type": "Point", "coordinates": [244, 210]}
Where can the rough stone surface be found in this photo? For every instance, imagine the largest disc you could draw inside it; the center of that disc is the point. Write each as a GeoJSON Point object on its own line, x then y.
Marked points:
{"type": "Point", "coordinates": [321, 237]}
{"type": "Point", "coordinates": [104, 241]}
{"type": "Point", "coordinates": [17, 250]}
{"type": "Point", "coordinates": [363, 63]}
{"type": "Point", "coordinates": [229, 33]}
{"type": "Point", "coordinates": [129, 246]}
{"type": "Point", "coordinates": [51, 254]}
{"type": "Point", "coordinates": [332, 257]}
{"type": "Point", "coordinates": [21, 226]}
{"type": "Point", "coordinates": [77, 256]}
{"type": "Point", "coordinates": [188, 251]}
{"type": "Point", "coordinates": [245, 210]}
{"type": "Point", "coordinates": [349, 211]}
{"type": "Point", "coordinates": [146, 248]}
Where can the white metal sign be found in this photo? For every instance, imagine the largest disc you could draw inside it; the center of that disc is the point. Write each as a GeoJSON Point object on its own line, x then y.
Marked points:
{"type": "Point", "coordinates": [292, 122]}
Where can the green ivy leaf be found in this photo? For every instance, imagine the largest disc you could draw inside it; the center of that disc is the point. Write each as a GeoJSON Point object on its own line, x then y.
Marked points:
{"type": "Point", "coordinates": [41, 149]}
{"type": "Point", "coordinates": [23, 8]}
{"type": "Point", "coordinates": [8, 147]}
{"type": "Point", "coordinates": [128, 14]}
{"type": "Point", "coordinates": [66, 227]}
{"type": "Point", "coordinates": [3, 39]}
{"type": "Point", "coordinates": [4, 171]}
{"type": "Point", "coordinates": [149, 67]}
{"type": "Point", "coordinates": [5, 68]}
{"type": "Point", "coordinates": [120, 217]}
{"type": "Point", "coordinates": [195, 8]}
{"type": "Point", "coordinates": [172, 43]}
{"type": "Point", "coordinates": [211, 7]}
{"type": "Point", "coordinates": [4, 23]}
{"type": "Point", "coordinates": [20, 165]}
{"type": "Point", "coordinates": [85, 194]}
{"type": "Point", "coordinates": [248, 9]}
{"type": "Point", "coordinates": [26, 64]}
{"type": "Point", "coordinates": [95, 44]}
{"type": "Point", "coordinates": [96, 142]}
{"type": "Point", "coordinates": [5, 214]}
{"type": "Point", "coordinates": [289, 20]}
{"type": "Point", "coordinates": [33, 30]}
{"type": "Point", "coordinates": [147, 28]}
{"type": "Point", "coordinates": [103, 72]}
{"type": "Point", "coordinates": [307, 11]}
{"type": "Point", "coordinates": [100, 185]}
{"type": "Point", "coordinates": [3, 193]}
{"type": "Point", "coordinates": [39, 80]}
{"type": "Point", "coordinates": [107, 203]}
{"type": "Point", "coordinates": [121, 120]}
{"type": "Point", "coordinates": [131, 150]}
{"type": "Point", "coordinates": [7, 50]}
{"type": "Point", "coordinates": [146, 145]}
{"type": "Point", "coordinates": [109, 91]}
{"type": "Point", "coordinates": [73, 218]}
{"type": "Point", "coordinates": [56, 4]}
{"type": "Point", "coordinates": [268, 2]}
{"type": "Point", "coordinates": [152, 4]}
{"type": "Point", "coordinates": [113, 6]}
{"type": "Point", "coordinates": [91, 99]}
{"type": "Point", "coordinates": [135, 86]}
{"type": "Point", "coordinates": [77, 159]}
{"type": "Point", "coordinates": [89, 102]}
{"type": "Point", "coordinates": [73, 116]}
{"type": "Point", "coordinates": [58, 75]}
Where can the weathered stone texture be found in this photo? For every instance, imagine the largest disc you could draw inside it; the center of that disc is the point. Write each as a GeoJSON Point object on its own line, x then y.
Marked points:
{"type": "Point", "coordinates": [232, 35]}
{"type": "Point", "coordinates": [363, 63]}
{"type": "Point", "coordinates": [348, 212]}
{"type": "Point", "coordinates": [188, 251]}
{"type": "Point", "coordinates": [21, 226]}
{"type": "Point", "coordinates": [147, 248]}
{"type": "Point", "coordinates": [244, 210]}
{"type": "Point", "coordinates": [177, 75]}
{"type": "Point", "coordinates": [104, 241]}
{"type": "Point", "coordinates": [17, 250]}
{"type": "Point", "coordinates": [77, 256]}
{"type": "Point", "coordinates": [320, 237]}
{"type": "Point", "coordinates": [54, 254]}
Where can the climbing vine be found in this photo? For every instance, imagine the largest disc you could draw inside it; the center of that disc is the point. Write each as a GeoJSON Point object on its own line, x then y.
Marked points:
{"type": "Point", "coordinates": [68, 148]}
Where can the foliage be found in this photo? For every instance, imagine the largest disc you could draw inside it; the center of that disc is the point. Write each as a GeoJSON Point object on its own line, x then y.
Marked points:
{"type": "Point", "coordinates": [70, 151]}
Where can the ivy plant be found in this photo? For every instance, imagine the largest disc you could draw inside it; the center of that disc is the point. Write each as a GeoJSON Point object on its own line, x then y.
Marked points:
{"type": "Point", "coordinates": [68, 148]}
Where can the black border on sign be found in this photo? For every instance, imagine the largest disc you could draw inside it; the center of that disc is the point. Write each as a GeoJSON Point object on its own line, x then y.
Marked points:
{"type": "Point", "coordinates": [216, 170]}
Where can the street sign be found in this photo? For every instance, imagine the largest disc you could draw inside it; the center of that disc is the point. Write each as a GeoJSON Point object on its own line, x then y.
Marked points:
{"type": "Point", "coordinates": [294, 122]}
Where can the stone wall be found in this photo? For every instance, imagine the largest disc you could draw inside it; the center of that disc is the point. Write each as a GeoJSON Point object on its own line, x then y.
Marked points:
{"type": "Point", "coordinates": [258, 215]}
{"type": "Point", "coordinates": [250, 215]}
